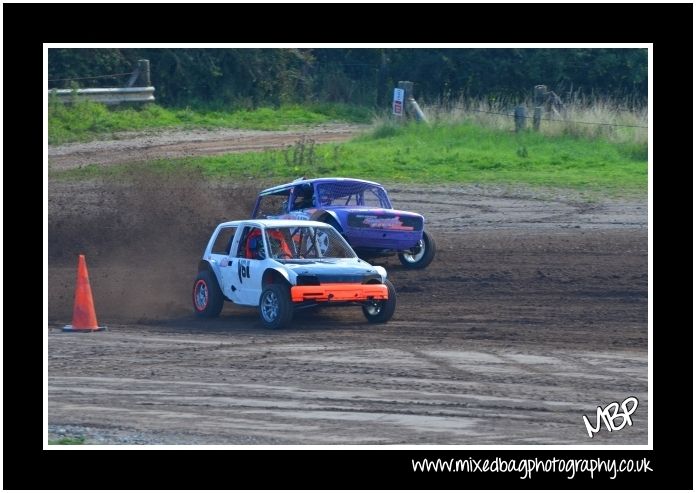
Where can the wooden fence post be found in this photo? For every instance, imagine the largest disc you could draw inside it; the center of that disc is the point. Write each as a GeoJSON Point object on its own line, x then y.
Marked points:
{"type": "Point", "coordinates": [540, 92]}
{"type": "Point", "coordinates": [407, 86]}
{"type": "Point", "coordinates": [144, 73]}
{"type": "Point", "coordinates": [536, 120]}
{"type": "Point", "coordinates": [411, 108]}
{"type": "Point", "coordinates": [520, 118]}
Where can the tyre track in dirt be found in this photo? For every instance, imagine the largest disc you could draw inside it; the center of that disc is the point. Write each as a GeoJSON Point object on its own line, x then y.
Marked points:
{"type": "Point", "coordinates": [137, 147]}
{"type": "Point", "coordinates": [352, 396]}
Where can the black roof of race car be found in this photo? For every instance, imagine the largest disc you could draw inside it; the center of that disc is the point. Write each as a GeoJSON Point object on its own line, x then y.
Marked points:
{"type": "Point", "coordinates": [310, 181]}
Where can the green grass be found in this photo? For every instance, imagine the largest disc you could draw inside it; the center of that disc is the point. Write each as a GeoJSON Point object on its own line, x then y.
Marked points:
{"type": "Point", "coordinates": [463, 153]}
{"type": "Point", "coordinates": [68, 441]}
{"type": "Point", "coordinates": [87, 120]}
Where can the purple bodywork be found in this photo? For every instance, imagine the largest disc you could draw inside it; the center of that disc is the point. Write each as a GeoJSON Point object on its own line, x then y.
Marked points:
{"type": "Point", "coordinates": [359, 209]}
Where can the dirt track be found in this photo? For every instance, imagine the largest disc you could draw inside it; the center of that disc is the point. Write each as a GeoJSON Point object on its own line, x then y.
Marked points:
{"type": "Point", "coordinates": [533, 314]}
{"type": "Point", "coordinates": [139, 146]}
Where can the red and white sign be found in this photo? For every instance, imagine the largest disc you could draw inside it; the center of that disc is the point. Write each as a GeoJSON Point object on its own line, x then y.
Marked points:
{"type": "Point", "coordinates": [398, 103]}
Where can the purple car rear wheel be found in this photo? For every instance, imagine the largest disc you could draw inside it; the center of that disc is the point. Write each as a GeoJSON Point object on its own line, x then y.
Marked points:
{"type": "Point", "coordinates": [420, 256]}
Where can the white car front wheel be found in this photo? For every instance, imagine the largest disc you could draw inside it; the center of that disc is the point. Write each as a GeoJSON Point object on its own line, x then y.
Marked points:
{"type": "Point", "coordinates": [275, 306]}
{"type": "Point", "coordinates": [379, 312]}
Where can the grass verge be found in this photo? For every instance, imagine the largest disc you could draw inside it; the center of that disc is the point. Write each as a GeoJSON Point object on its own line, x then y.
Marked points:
{"type": "Point", "coordinates": [462, 153]}
{"type": "Point", "coordinates": [68, 441]}
{"type": "Point", "coordinates": [86, 120]}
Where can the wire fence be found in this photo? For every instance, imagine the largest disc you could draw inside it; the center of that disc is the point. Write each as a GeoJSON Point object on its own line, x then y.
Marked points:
{"type": "Point", "coordinates": [549, 119]}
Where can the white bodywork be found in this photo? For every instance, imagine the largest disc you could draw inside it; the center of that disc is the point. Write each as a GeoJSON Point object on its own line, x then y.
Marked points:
{"type": "Point", "coordinates": [241, 279]}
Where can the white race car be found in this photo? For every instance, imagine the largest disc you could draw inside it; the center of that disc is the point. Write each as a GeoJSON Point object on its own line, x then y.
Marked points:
{"type": "Point", "coordinates": [284, 265]}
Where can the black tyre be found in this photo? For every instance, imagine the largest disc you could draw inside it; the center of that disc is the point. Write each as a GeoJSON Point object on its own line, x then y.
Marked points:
{"type": "Point", "coordinates": [275, 306]}
{"type": "Point", "coordinates": [379, 312]}
{"type": "Point", "coordinates": [207, 297]}
{"type": "Point", "coordinates": [420, 256]}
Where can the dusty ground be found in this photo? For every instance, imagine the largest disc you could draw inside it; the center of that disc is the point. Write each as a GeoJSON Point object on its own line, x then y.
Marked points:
{"type": "Point", "coordinates": [533, 313]}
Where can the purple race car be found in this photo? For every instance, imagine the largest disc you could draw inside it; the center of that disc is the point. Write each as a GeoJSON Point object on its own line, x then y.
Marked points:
{"type": "Point", "coordinates": [360, 210]}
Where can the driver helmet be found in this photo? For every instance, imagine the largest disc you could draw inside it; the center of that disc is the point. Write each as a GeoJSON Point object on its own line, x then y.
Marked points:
{"type": "Point", "coordinates": [305, 195]}
{"type": "Point", "coordinates": [324, 198]}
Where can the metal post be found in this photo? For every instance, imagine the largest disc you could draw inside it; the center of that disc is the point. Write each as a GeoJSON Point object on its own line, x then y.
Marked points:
{"type": "Point", "coordinates": [537, 118]}
{"type": "Point", "coordinates": [520, 118]}
{"type": "Point", "coordinates": [144, 73]}
{"type": "Point", "coordinates": [414, 109]}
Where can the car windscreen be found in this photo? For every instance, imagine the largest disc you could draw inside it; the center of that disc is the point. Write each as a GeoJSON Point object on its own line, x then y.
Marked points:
{"type": "Point", "coordinates": [307, 242]}
{"type": "Point", "coordinates": [272, 204]}
{"type": "Point", "coordinates": [352, 193]}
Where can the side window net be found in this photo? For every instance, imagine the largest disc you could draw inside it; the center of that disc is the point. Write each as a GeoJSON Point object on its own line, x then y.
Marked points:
{"type": "Point", "coordinates": [223, 242]}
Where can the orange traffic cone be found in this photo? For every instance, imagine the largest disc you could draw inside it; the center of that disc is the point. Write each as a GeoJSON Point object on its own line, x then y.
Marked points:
{"type": "Point", "coordinates": [84, 317]}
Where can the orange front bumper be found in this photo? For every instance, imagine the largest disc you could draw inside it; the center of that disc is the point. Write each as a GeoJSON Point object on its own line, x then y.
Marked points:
{"type": "Point", "coordinates": [339, 292]}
